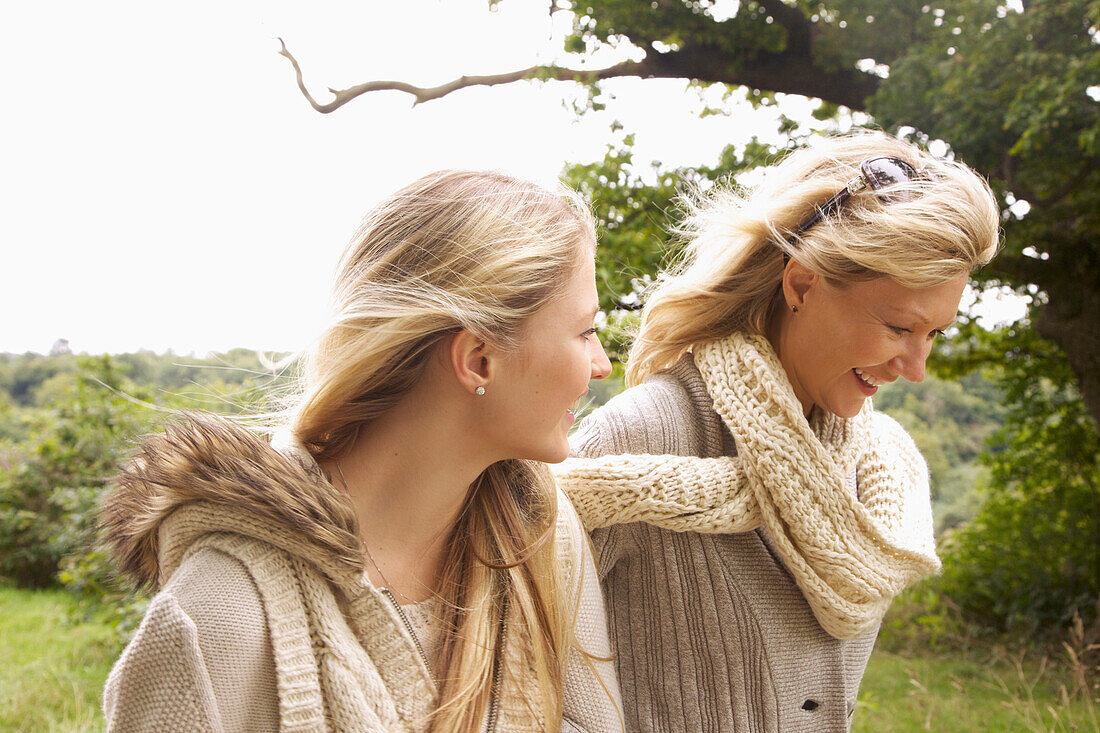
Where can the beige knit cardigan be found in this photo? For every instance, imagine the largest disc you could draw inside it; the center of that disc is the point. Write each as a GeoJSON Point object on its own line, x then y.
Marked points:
{"type": "Point", "coordinates": [220, 520]}
{"type": "Point", "coordinates": [850, 556]}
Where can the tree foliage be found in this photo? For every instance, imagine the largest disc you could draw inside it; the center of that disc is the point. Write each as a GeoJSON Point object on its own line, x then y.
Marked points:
{"type": "Point", "coordinates": [1014, 92]}
{"type": "Point", "coordinates": [67, 421]}
{"type": "Point", "coordinates": [1016, 95]}
{"type": "Point", "coordinates": [637, 207]}
{"type": "Point", "coordinates": [51, 482]}
{"type": "Point", "coordinates": [1031, 557]}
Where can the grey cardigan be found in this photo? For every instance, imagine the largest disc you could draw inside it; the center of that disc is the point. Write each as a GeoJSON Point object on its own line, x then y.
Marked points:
{"type": "Point", "coordinates": [710, 631]}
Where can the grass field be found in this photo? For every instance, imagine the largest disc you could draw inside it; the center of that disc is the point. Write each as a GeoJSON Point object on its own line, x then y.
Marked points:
{"type": "Point", "coordinates": [53, 671]}
{"type": "Point", "coordinates": [941, 693]}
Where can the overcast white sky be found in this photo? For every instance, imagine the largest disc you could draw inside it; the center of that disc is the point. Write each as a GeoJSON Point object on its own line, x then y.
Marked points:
{"type": "Point", "coordinates": [165, 185]}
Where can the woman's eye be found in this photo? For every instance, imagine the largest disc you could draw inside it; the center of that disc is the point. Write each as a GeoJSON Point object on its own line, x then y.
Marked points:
{"type": "Point", "coordinates": [899, 330]}
{"type": "Point", "coordinates": [589, 332]}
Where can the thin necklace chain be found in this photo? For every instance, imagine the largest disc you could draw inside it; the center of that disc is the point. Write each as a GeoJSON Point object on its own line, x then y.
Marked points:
{"type": "Point", "coordinates": [363, 544]}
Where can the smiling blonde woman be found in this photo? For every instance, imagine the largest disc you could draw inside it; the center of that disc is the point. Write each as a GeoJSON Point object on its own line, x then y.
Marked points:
{"type": "Point", "coordinates": [399, 559]}
{"type": "Point", "coordinates": [753, 516]}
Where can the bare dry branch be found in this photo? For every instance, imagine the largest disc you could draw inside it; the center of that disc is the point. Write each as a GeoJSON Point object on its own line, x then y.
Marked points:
{"type": "Point", "coordinates": [426, 94]}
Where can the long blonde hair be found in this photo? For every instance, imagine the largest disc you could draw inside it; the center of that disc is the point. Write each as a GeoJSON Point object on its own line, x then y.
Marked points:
{"type": "Point", "coordinates": [732, 266]}
{"type": "Point", "coordinates": [481, 252]}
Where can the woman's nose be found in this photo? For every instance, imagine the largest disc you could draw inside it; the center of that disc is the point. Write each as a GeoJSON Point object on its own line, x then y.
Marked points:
{"type": "Point", "coordinates": [911, 362]}
{"type": "Point", "coordinates": [601, 365]}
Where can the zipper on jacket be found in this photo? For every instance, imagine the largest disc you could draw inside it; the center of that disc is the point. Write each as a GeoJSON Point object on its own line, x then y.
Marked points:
{"type": "Point", "coordinates": [498, 673]}
{"type": "Point", "coordinates": [498, 666]}
{"type": "Point", "coordinates": [409, 627]}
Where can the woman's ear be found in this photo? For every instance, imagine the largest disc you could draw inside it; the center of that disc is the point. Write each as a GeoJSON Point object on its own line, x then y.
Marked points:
{"type": "Point", "coordinates": [798, 281]}
{"type": "Point", "coordinates": [471, 360]}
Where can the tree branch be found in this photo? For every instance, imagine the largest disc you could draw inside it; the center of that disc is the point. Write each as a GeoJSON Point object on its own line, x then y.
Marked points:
{"type": "Point", "coordinates": [784, 72]}
{"type": "Point", "coordinates": [1086, 169]}
{"type": "Point", "coordinates": [1022, 269]}
{"type": "Point", "coordinates": [798, 26]}
{"type": "Point", "coordinates": [426, 94]}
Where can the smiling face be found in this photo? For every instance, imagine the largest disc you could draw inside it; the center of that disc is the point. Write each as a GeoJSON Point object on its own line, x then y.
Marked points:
{"type": "Point", "coordinates": [845, 340]}
{"type": "Point", "coordinates": [538, 386]}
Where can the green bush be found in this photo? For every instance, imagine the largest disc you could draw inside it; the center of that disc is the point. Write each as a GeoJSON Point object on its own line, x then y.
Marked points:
{"type": "Point", "coordinates": [50, 486]}
{"type": "Point", "coordinates": [1030, 559]}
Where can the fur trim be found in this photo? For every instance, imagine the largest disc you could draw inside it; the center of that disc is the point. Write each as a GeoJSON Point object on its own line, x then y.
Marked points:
{"type": "Point", "coordinates": [203, 457]}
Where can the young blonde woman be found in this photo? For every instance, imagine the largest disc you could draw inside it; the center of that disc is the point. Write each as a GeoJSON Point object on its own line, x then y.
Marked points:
{"type": "Point", "coordinates": [399, 559]}
{"type": "Point", "coordinates": [753, 515]}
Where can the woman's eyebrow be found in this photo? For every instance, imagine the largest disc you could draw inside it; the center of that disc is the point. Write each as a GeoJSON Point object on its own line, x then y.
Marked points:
{"type": "Point", "coordinates": [919, 316]}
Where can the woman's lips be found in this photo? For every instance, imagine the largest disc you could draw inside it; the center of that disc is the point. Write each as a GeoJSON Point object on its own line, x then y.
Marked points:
{"type": "Point", "coordinates": [572, 412]}
{"type": "Point", "coordinates": [865, 387]}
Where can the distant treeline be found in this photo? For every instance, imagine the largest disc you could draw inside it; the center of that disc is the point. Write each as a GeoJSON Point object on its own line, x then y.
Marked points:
{"type": "Point", "coordinates": [950, 420]}
{"type": "Point", "coordinates": [1013, 456]}
{"type": "Point", "coordinates": [30, 380]}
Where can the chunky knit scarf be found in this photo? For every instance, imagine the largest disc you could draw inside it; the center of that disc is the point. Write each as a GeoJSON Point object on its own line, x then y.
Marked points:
{"type": "Point", "coordinates": [850, 556]}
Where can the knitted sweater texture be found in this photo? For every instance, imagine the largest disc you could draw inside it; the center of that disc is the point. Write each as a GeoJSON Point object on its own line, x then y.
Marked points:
{"type": "Point", "coordinates": [850, 556]}
{"type": "Point", "coordinates": [266, 619]}
{"type": "Point", "coordinates": [710, 628]}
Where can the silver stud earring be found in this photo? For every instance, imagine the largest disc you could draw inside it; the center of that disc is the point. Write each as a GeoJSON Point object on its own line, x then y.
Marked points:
{"type": "Point", "coordinates": [794, 309]}
{"type": "Point", "coordinates": [479, 391]}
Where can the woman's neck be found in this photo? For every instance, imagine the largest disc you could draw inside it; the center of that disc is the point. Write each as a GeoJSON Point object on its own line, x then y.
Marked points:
{"type": "Point", "coordinates": [778, 328]}
{"type": "Point", "coordinates": [408, 475]}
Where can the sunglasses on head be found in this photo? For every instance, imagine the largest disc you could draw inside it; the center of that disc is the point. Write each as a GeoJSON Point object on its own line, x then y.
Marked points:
{"type": "Point", "coordinates": [875, 174]}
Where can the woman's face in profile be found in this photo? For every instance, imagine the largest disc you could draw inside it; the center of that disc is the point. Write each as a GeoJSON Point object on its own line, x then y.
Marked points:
{"type": "Point", "coordinates": [541, 384]}
{"type": "Point", "coordinates": [846, 340]}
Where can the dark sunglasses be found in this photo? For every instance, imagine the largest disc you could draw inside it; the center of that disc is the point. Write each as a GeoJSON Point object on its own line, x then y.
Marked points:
{"type": "Point", "coordinates": [875, 174]}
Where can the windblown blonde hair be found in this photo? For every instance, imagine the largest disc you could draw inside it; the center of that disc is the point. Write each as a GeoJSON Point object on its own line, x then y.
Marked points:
{"type": "Point", "coordinates": [730, 275]}
{"type": "Point", "coordinates": [481, 252]}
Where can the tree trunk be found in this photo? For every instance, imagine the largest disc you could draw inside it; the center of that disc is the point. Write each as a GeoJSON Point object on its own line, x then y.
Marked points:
{"type": "Point", "coordinates": [1071, 319]}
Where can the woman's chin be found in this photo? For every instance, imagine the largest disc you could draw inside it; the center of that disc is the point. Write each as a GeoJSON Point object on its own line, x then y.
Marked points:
{"type": "Point", "coordinates": [558, 455]}
{"type": "Point", "coordinates": [847, 409]}
{"type": "Point", "coordinates": [551, 452]}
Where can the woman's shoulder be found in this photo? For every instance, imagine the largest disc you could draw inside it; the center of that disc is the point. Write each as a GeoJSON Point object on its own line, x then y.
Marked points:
{"type": "Point", "coordinates": [569, 531]}
{"type": "Point", "coordinates": [576, 561]}
{"type": "Point", "coordinates": [215, 594]}
{"type": "Point", "coordinates": [888, 433]}
{"type": "Point", "coordinates": [215, 589]}
{"type": "Point", "coordinates": [205, 637]}
{"type": "Point", "coordinates": [670, 413]}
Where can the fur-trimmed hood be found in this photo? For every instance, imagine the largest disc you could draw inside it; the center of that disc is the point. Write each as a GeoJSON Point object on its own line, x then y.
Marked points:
{"type": "Point", "coordinates": [208, 465]}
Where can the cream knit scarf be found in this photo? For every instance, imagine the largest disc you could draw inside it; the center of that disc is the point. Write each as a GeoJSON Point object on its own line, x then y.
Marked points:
{"type": "Point", "coordinates": [849, 556]}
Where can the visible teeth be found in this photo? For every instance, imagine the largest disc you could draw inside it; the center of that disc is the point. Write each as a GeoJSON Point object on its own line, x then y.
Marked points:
{"type": "Point", "coordinates": [869, 379]}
